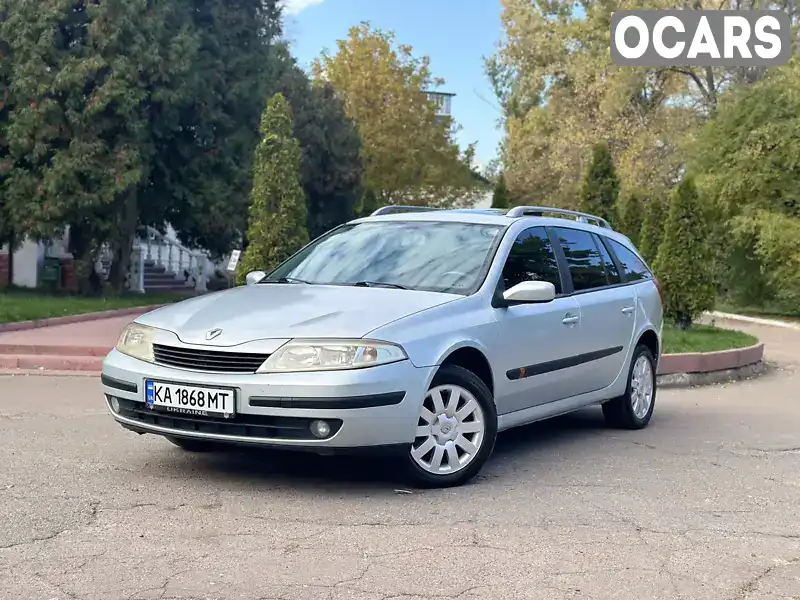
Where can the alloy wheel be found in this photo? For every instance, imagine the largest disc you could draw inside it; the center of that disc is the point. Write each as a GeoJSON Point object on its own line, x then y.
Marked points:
{"type": "Point", "coordinates": [450, 430]}
{"type": "Point", "coordinates": [642, 380]}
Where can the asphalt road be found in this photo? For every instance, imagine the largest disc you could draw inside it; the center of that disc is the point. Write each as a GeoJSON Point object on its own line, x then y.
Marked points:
{"type": "Point", "coordinates": [704, 504]}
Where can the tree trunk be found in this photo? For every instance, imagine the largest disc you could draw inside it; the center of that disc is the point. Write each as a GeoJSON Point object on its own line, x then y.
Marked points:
{"type": "Point", "coordinates": [89, 282]}
{"type": "Point", "coordinates": [683, 321]}
{"type": "Point", "coordinates": [12, 242]}
{"type": "Point", "coordinates": [124, 247]}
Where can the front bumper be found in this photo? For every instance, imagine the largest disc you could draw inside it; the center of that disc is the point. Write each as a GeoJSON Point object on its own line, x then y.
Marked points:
{"type": "Point", "coordinates": [371, 407]}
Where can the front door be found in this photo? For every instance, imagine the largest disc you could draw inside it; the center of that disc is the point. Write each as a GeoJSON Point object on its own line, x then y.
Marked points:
{"type": "Point", "coordinates": [534, 340]}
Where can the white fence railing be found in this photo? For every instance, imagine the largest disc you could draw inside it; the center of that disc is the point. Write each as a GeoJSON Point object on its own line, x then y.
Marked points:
{"type": "Point", "coordinates": [191, 265]}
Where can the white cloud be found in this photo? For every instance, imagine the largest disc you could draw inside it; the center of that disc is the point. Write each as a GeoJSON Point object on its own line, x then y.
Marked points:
{"type": "Point", "coordinates": [294, 7]}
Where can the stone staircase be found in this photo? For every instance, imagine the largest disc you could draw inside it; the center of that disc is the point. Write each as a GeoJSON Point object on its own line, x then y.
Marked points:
{"type": "Point", "coordinates": [159, 279]}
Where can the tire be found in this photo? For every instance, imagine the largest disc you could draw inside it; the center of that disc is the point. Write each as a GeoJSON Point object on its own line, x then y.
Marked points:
{"type": "Point", "coordinates": [626, 412]}
{"type": "Point", "coordinates": [190, 445]}
{"type": "Point", "coordinates": [462, 436]}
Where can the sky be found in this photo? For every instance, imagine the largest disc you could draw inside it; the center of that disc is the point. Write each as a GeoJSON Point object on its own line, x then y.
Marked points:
{"type": "Point", "coordinates": [456, 34]}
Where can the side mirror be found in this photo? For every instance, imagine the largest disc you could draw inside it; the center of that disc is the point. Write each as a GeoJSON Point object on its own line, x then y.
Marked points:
{"type": "Point", "coordinates": [254, 277]}
{"type": "Point", "coordinates": [530, 292]}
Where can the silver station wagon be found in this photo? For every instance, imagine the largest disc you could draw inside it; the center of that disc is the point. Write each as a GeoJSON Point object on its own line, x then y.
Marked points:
{"type": "Point", "coordinates": [420, 331]}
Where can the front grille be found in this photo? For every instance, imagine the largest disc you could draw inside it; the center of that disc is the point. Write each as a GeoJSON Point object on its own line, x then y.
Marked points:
{"type": "Point", "coordinates": [242, 425]}
{"type": "Point", "coordinates": [211, 361]}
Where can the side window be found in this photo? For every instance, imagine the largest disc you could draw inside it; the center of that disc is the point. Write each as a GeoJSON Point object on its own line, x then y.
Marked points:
{"type": "Point", "coordinates": [531, 259]}
{"type": "Point", "coordinates": [632, 265]}
{"type": "Point", "coordinates": [611, 269]}
{"type": "Point", "coordinates": [583, 259]}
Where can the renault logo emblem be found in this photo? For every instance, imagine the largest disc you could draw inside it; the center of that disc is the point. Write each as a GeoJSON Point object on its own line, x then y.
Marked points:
{"type": "Point", "coordinates": [214, 333]}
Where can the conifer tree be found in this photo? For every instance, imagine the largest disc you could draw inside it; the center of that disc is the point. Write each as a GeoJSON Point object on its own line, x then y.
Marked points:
{"type": "Point", "coordinates": [278, 212]}
{"type": "Point", "coordinates": [652, 232]}
{"type": "Point", "coordinates": [683, 265]}
{"type": "Point", "coordinates": [501, 197]}
{"type": "Point", "coordinates": [630, 213]}
{"type": "Point", "coordinates": [600, 188]}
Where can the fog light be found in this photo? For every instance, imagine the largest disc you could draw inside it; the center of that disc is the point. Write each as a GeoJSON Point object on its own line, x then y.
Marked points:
{"type": "Point", "coordinates": [320, 429]}
{"type": "Point", "coordinates": [114, 404]}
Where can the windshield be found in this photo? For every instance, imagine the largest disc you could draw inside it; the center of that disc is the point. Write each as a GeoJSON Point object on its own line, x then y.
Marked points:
{"type": "Point", "coordinates": [416, 255]}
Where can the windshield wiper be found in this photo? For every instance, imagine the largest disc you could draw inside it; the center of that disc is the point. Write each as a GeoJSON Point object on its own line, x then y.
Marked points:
{"type": "Point", "coordinates": [284, 280]}
{"type": "Point", "coordinates": [379, 284]}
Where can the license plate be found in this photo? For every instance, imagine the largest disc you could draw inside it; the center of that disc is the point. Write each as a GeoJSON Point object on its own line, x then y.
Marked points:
{"type": "Point", "coordinates": [189, 399]}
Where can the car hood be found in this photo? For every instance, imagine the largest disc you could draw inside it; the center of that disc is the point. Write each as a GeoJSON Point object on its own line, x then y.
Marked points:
{"type": "Point", "coordinates": [283, 311]}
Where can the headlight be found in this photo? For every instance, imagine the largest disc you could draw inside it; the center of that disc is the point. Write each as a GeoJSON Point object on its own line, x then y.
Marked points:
{"type": "Point", "coordinates": [329, 355]}
{"type": "Point", "coordinates": [137, 341]}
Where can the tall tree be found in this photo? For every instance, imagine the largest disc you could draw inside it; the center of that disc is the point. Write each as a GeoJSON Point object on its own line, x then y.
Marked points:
{"type": "Point", "coordinates": [6, 102]}
{"type": "Point", "coordinates": [277, 214]}
{"type": "Point", "coordinates": [748, 160]}
{"type": "Point", "coordinates": [683, 265]}
{"type": "Point", "coordinates": [600, 188]}
{"type": "Point", "coordinates": [410, 154]}
{"type": "Point", "coordinates": [331, 167]}
{"type": "Point", "coordinates": [204, 143]}
{"type": "Point", "coordinates": [501, 198]}
{"type": "Point", "coordinates": [84, 75]}
{"type": "Point", "coordinates": [748, 153]}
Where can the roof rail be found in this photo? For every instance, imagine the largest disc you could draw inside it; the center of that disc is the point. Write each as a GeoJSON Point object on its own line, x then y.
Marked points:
{"type": "Point", "coordinates": [539, 211]}
{"type": "Point", "coordinates": [396, 208]}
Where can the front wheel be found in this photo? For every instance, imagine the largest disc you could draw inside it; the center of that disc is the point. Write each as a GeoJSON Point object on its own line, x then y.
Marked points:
{"type": "Point", "coordinates": [635, 408]}
{"type": "Point", "coordinates": [456, 430]}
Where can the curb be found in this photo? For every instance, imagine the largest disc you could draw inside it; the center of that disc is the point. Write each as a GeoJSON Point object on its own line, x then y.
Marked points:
{"type": "Point", "coordinates": [52, 350]}
{"type": "Point", "coordinates": [754, 320]}
{"type": "Point", "coordinates": [45, 364]}
{"type": "Point", "coordinates": [81, 318]}
{"type": "Point", "coordinates": [685, 380]}
{"type": "Point", "coordinates": [40, 373]}
{"type": "Point", "coordinates": [707, 368]}
{"type": "Point", "coordinates": [709, 362]}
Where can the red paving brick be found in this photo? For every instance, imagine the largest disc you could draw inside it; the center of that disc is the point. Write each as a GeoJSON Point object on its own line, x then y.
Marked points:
{"type": "Point", "coordinates": [77, 347]}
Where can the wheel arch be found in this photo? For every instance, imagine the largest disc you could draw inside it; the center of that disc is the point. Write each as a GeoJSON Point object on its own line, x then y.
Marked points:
{"type": "Point", "coordinates": [650, 339]}
{"type": "Point", "coordinates": [472, 359]}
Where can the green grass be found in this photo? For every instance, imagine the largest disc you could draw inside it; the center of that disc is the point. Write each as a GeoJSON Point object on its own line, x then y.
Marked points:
{"type": "Point", "coordinates": [22, 305]}
{"type": "Point", "coordinates": [768, 312]}
{"type": "Point", "coordinates": [704, 338]}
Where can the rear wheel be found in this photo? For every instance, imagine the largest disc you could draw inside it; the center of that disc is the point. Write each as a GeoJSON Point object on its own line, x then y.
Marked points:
{"type": "Point", "coordinates": [635, 408]}
{"type": "Point", "coordinates": [456, 430]}
{"type": "Point", "coordinates": [191, 445]}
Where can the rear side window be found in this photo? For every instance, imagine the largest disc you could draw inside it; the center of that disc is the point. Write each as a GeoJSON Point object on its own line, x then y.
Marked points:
{"type": "Point", "coordinates": [583, 259]}
{"type": "Point", "coordinates": [531, 259]}
{"type": "Point", "coordinates": [632, 265]}
{"type": "Point", "coordinates": [611, 269]}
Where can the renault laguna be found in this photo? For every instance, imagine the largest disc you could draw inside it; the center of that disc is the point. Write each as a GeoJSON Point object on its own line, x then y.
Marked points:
{"type": "Point", "coordinates": [414, 331]}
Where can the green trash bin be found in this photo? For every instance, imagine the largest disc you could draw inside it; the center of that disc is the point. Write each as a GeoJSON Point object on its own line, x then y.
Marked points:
{"type": "Point", "coordinates": [51, 272]}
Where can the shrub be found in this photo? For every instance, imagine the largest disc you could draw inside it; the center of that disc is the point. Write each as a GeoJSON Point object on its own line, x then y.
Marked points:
{"type": "Point", "coordinates": [766, 253]}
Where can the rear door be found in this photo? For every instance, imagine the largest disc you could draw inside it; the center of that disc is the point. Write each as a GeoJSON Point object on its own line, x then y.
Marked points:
{"type": "Point", "coordinates": [607, 308]}
{"type": "Point", "coordinates": [533, 339]}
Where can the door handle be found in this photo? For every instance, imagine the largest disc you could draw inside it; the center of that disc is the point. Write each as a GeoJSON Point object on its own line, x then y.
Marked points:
{"type": "Point", "coordinates": [570, 320]}
{"type": "Point", "coordinates": [628, 310]}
